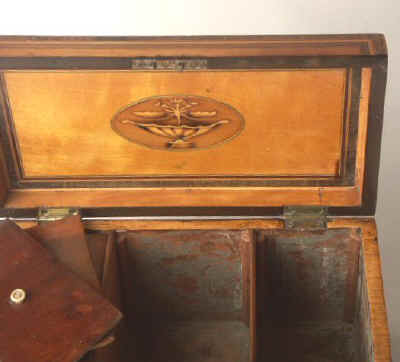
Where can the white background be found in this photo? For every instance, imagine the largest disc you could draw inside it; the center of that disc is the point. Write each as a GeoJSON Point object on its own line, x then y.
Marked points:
{"type": "Point", "coordinates": [205, 17]}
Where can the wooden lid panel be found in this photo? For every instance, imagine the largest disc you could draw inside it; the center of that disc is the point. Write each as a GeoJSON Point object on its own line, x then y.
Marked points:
{"type": "Point", "coordinates": [213, 131]}
{"type": "Point", "coordinates": [63, 124]}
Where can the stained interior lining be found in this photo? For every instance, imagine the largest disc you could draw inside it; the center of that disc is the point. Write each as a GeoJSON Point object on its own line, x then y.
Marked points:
{"type": "Point", "coordinates": [187, 296]}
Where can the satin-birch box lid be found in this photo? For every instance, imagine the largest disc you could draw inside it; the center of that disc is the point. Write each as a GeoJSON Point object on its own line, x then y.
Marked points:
{"type": "Point", "coordinates": [231, 125]}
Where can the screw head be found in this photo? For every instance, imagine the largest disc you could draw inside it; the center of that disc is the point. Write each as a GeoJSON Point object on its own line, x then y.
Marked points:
{"type": "Point", "coordinates": [18, 296]}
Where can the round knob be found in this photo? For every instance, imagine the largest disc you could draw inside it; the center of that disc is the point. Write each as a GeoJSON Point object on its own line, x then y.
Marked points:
{"type": "Point", "coordinates": [18, 296]}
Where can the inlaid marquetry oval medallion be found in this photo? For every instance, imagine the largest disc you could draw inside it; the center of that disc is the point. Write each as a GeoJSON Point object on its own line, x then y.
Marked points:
{"type": "Point", "coordinates": [178, 122]}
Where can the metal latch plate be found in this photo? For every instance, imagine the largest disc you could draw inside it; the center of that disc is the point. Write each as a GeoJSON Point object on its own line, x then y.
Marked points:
{"type": "Point", "coordinates": [53, 214]}
{"type": "Point", "coordinates": [169, 64]}
{"type": "Point", "coordinates": [305, 217]}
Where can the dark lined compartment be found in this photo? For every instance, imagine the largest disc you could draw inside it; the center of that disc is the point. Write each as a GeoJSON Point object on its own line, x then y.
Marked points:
{"type": "Point", "coordinates": [307, 283]}
{"type": "Point", "coordinates": [187, 296]}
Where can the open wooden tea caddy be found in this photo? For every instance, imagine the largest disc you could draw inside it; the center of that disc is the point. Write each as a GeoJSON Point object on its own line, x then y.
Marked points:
{"type": "Point", "coordinates": [235, 178]}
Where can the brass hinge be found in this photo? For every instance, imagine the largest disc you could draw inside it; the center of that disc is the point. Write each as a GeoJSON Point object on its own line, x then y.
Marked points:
{"type": "Point", "coordinates": [169, 64]}
{"type": "Point", "coordinates": [305, 217]}
{"type": "Point", "coordinates": [57, 213]}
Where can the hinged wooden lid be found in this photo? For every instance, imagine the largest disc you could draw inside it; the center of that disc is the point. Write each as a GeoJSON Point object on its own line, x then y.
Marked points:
{"type": "Point", "coordinates": [47, 313]}
{"type": "Point", "coordinates": [204, 122]}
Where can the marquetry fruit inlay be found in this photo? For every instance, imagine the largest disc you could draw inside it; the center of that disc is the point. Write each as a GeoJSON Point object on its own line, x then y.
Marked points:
{"type": "Point", "coordinates": [178, 122]}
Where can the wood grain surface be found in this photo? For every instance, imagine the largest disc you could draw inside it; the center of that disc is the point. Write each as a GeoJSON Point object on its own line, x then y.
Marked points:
{"type": "Point", "coordinates": [185, 196]}
{"type": "Point", "coordinates": [374, 285]}
{"type": "Point", "coordinates": [61, 319]}
{"type": "Point", "coordinates": [66, 240]}
{"type": "Point", "coordinates": [312, 107]}
{"type": "Point", "coordinates": [285, 161]}
{"type": "Point", "coordinates": [72, 112]}
{"type": "Point", "coordinates": [211, 46]}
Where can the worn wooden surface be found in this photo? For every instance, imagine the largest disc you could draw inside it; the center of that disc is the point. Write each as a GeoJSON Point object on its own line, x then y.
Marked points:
{"type": "Point", "coordinates": [212, 46]}
{"type": "Point", "coordinates": [374, 286]}
{"type": "Point", "coordinates": [5, 182]}
{"type": "Point", "coordinates": [4, 177]}
{"type": "Point", "coordinates": [364, 350]}
{"type": "Point", "coordinates": [103, 250]}
{"type": "Point", "coordinates": [186, 196]}
{"type": "Point", "coordinates": [61, 319]}
{"type": "Point", "coordinates": [123, 225]}
{"type": "Point", "coordinates": [94, 259]}
{"type": "Point", "coordinates": [66, 240]}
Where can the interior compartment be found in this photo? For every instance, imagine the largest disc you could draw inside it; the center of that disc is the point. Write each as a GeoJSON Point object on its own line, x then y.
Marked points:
{"type": "Point", "coordinates": [243, 296]}
{"type": "Point", "coordinates": [187, 294]}
{"type": "Point", "coordinates": [309, 296]}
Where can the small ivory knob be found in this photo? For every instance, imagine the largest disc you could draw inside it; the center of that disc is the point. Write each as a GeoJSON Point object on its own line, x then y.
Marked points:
{"type": "Point", "coordinates": [18, 296]}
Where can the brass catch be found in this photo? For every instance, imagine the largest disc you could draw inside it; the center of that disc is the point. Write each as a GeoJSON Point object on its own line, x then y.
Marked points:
{"type": "Point", "coordinates": [53, 214]}
{"type": "Point", "coordinates": [305, 217]}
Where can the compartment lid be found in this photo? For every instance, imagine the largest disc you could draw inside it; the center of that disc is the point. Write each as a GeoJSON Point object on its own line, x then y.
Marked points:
{"type": "Point", "coordinates": [192, 122]}
{"type": "Point", "coordinates": [47, 313]}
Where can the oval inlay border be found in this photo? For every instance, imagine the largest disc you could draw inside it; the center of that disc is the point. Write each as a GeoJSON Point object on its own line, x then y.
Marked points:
{"type": "Point", "coordinates": [178, 122]}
